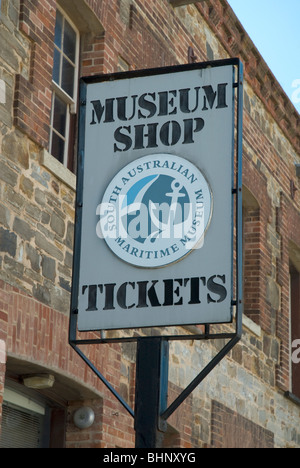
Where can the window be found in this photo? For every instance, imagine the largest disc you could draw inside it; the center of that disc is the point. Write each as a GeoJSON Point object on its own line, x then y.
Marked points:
{"type": "Point", "coordinates": [65, 87]}
{"type": "Point", "coordinates": [295, 329]}
{"type": "Point", "coordinates": [123, 66]}
{"type": "Point", "coordinates": [30, 421]}
{"type": "Point", "coordinates": [23, 422]}
{"type": "Point", "coordinates": [252, 256]}
{"type": "Point", "coordinates": [21, 428]}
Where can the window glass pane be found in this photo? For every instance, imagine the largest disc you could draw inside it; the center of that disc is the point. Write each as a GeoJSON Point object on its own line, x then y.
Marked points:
{"type": "Point", "coordinates": [58, 147]}
{"type": "Point", "coordinates": [56, 66]}
{"type": "Point", "coordinates": [60, 116]}
{"type": "Point", "coordinates": [20, 428]}
{"type": "Point", "coordinates": [67, 81]}
{"type": "Point", "coordinates": [58, 29]}
{"type": "Point", "coordinates": [70, 42]}
{"type": "Point", "coordinates": [65, 76]}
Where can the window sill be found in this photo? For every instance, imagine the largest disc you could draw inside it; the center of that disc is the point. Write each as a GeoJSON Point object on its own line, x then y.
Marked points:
{"type": "Point", "coordinates": [251, 326]}
{"type": "Point", "coordinates": [247, 323]}
{"type": "Point", "coordinates": [57, 169]}
{"type": "Point", "coordinates": [293, 398]}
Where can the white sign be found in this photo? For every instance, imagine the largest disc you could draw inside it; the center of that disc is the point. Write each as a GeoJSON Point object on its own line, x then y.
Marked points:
{"type": "Point", "coordinates": [156, 220]}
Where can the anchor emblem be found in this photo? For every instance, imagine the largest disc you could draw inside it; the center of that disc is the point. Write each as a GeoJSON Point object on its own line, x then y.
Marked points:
{"type": "Point", "coordinates": [165, 227]}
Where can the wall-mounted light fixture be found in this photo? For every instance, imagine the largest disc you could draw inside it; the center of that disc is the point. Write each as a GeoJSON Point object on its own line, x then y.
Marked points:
{"type": "Point", "coordinates": [84, 417]}
{"type": "Point", "coordinates": [39, 381]}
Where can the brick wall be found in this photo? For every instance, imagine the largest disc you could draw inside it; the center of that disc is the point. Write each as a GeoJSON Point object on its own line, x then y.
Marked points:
{"type": "Point", "coordinates": [229, 430]}
{"type": "Point", "coordinates": [112, 427]}
{"type": "Point", "coordinates": [257, 255]}
{"type": "Point", "coordinates": [37, 220]}
{"type": "Point", "coordinates": [231, 34]}
{"type": "Point", "coordinates": [35, 333]}
{"type": "Point", "coordinates": [32, 106]}
{"type": "Point", "coordinates": [252, 225]}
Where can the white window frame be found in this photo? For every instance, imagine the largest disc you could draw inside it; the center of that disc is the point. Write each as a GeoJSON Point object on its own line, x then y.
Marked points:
{"type": "Point", "coordinates": [67, 99]}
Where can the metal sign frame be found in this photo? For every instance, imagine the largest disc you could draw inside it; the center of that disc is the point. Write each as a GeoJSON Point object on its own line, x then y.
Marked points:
{"type": "Point", "coordinates": [237, 301]}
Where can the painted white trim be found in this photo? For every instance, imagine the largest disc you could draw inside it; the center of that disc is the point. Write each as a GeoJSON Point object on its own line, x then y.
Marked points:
{"type": "Point", "coordinates": [10, 396]}
{"type": "Point", "coordinates": [66, 98]}
{"type": "Point", "coordinates": [2, 352]}
{"type": "Point", "coordinates": [57, 169]}
{"type": "Point", "coordinates": [2, 92]}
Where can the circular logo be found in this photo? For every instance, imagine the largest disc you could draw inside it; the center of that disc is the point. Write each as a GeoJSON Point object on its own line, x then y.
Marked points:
{"type": "Point", "coordinates": [155, 211]}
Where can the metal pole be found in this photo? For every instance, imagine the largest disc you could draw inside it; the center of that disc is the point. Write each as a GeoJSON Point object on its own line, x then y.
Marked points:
{"type": "Point", "coordinates": [151, 391]}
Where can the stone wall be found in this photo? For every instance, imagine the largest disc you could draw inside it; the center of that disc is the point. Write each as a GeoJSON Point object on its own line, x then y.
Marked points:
{"type": "Point", "coordinates": [37, 219]}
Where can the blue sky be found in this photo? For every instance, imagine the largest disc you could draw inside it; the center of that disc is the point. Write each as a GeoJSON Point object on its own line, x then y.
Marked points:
{"type": "Point", "coordinates": [274, 27]}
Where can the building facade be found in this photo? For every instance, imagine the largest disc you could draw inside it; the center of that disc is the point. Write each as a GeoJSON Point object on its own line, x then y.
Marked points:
{"type": "Point", "coordinates": [252, 399]}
